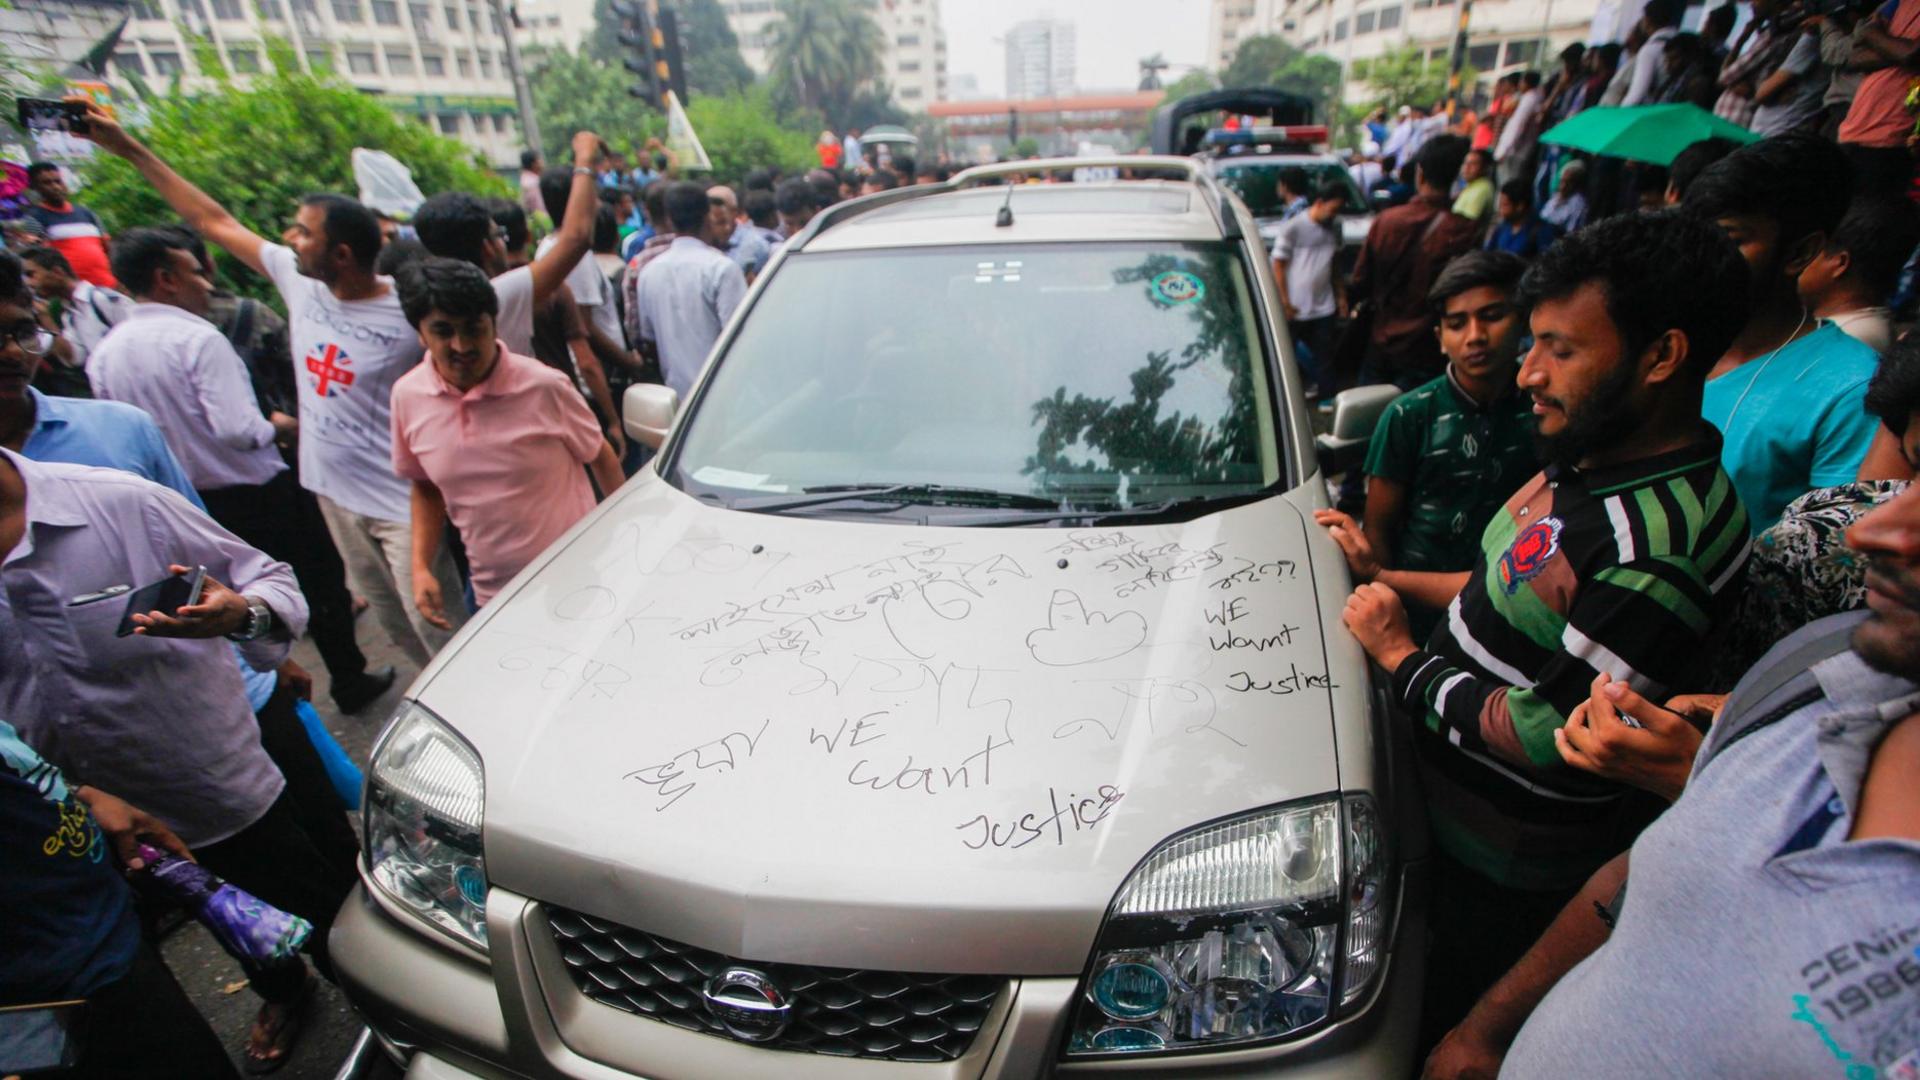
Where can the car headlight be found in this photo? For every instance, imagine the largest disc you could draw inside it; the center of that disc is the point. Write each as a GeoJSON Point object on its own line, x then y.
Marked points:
{"type": "Point", "coordinates": [1241, 931]}
{"type": "Point", "coordinates": [425, 790]}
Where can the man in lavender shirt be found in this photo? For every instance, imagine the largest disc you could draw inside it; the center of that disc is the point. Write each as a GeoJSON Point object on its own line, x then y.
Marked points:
{"type": "Point", "coordinates": [161, 712]}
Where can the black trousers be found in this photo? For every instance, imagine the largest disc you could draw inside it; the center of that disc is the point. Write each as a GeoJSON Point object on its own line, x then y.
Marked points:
{"type": "Point", "coordinates": [302, 855]}
{"type": "Point", "coordinates": [1477, 930]}
{"type": "Point", "coordinates": [145, 1028]}
{"type": "Point", "coordinates": [282, 519]}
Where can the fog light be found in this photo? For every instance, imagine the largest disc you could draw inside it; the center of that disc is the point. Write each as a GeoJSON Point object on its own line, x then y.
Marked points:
{"type": "Point", "coordinates": [1130, 989]}
{"type": "Point", "coordinates": [1118, 1040]}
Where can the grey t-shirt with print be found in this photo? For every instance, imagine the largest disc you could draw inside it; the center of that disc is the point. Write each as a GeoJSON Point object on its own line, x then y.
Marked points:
{"type": "Point", "coordinates": [1755, 940]}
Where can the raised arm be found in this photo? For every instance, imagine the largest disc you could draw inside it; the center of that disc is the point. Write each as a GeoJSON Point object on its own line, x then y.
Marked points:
{"type": "Point", "coordinates": [575, 235]}
{"type": "Point", "coordinates": [194, 206]}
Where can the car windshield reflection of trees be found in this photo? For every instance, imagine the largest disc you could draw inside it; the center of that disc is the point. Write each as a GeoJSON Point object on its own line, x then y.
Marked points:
{"type": "Point", "coordinates": [1132, 437]}
{"type": "Point", "coordinates": [1099, 376]}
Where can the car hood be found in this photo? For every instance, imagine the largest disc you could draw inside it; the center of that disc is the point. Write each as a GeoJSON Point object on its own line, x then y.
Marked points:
{"type": "Point", "coordinates": [861, 744]}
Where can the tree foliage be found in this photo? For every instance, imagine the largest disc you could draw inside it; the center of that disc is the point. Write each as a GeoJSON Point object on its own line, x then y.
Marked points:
{"type": "Point", "coordinates": [1193, 82]}
{"type": "Point", "coordinates": [1269, 61]}
{"type": "Point", "coordinates": [740, 134]}
{"type": "Point", "coordinates": [1406, 77]}
{"type": "Point", "coordinates": [824, 52]}
{"type": "Point", "coordinates": [257, 150]}
{"type": "Point", "coordinates": [574, 92]}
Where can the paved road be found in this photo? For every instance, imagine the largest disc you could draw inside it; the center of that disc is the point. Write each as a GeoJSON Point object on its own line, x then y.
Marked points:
{"type": "Point", "coordinates": [206, 971]}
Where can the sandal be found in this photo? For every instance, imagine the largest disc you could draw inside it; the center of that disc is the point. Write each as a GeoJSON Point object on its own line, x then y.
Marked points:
{"type": "Point", "coordinates": [282, 1038]}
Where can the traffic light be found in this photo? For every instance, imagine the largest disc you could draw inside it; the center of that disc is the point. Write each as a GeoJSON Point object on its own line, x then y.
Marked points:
{"type": "Point", "coordinates": [673, 68]}
{"type": "Point", "coordinates": [646, 51]}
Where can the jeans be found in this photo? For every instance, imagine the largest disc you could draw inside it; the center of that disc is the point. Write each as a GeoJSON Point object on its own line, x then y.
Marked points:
{"type": "Point", "coordinates": [1313, 344]}
{"type": "Point", "coordinates": [281, 518]}
{"type": "Point", "coordinates": [379, 558]}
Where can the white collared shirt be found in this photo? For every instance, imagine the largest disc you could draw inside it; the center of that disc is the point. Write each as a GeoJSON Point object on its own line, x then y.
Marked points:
{"type": "Point", "coordinates": [183, 372]}
{"type": "Point", "coordinates": [686, 297]}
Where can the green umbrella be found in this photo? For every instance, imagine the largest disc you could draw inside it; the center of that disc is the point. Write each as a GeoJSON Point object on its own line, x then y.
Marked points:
{"type": "Point", "coordinates": [1651, 133]}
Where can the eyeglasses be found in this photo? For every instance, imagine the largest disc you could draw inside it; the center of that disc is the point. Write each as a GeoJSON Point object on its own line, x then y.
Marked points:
{"type": "Point", "coordinates": [32, 339]}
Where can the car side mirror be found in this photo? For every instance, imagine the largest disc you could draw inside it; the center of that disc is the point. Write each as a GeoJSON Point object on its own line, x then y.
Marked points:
{"type": "Point", "coordinates": [1355, 411]}
{"type": "Point", "coordinates": [647, 411]}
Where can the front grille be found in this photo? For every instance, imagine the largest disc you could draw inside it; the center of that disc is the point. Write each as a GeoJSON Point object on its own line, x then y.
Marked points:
{"type": "Point", "coordinates": [890, 1015]}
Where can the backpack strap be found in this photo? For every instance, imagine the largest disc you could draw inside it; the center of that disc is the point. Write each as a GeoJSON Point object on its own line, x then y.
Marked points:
{"type": "Point", "coordinates": [1782, 682]}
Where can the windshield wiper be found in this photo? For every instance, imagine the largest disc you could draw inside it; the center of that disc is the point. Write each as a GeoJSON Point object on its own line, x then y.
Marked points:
{"type": "Point", "coordinates": [1145, 513]}
{"type": "Point", "coordinates": [902, 494]}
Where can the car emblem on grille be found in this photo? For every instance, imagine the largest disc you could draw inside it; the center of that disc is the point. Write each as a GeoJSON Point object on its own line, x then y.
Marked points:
{"type": "Point", "coordinates": [747, 1004]}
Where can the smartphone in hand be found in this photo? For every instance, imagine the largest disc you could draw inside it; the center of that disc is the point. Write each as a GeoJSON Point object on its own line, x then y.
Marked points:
{"type": "Point", "coordinates": [46, 114]}
{"type": "Point", "coordinates": [166, 596]}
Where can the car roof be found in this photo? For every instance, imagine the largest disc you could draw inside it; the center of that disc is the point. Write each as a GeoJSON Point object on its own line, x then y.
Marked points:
{"type": "Point", "coordinates": [1042, 213]}
{"type": "Point", "coordinates": [1274, 160]}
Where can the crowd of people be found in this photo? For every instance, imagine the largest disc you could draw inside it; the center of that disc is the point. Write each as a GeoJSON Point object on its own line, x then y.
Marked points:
{"type": "Point", "coordinates": [1646, 492]}
{"type": "Point", "coordinates": [1651, 460]}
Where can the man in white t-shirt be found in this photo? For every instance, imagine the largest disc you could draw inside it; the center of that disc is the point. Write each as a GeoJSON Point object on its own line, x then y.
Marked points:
{"type": "Point", "coordinates": [1311, 293]}
{"type": "Point", "coordinates": [591, 289]}
{"type": "Point", "coordinates": [455, 225]}
{"type": "Point", "coordinates": [350, 342]}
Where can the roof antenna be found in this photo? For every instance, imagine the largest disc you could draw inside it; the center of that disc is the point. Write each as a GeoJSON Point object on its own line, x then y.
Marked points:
{"type": "Point", "coordinates": [1005, 217]}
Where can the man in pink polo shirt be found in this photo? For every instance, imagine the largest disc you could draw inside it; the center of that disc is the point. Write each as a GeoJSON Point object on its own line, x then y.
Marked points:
{"type": "Point", "coordinates": [492, 440]}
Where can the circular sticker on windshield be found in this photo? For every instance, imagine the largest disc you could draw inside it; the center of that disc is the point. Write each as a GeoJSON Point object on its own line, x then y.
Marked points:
{"type": "Point", "coordinates": [1178, 287]}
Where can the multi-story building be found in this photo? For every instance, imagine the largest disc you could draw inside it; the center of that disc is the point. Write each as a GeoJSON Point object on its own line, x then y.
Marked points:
{"type": "Point", "coordinates": [440, 61]}
{"type": "Point", "coordinates": [913, 61]}
{"type": "Point", "coordinates": [1040, 59]}
{"type": "Point", "coordinates": [553, 24]}
{"type": "Point", "coordinates": [1502, 35]}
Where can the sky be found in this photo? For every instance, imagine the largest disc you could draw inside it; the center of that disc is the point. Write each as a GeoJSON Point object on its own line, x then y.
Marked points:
{"type": "Point", "coordinates": [1111, 37]}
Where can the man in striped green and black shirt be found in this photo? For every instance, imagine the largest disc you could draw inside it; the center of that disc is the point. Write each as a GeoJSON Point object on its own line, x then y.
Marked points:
{"type": "Point", "coordinates": [1618, 558]}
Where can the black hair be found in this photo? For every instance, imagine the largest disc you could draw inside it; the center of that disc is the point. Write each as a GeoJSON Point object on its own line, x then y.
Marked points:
{"type": "Point", "coordinates": [1662, 270]}
{"type": "Point", "coordinates": [47, 258]}
{"type": "Point", "coordinates": [760, 208]}
{"type": "Point", "coordinates": [556, 187]}
{"type": "Point", "coordinates": [1893, 395]}
{"type": "Point", "coordinates": [1485, 156]}
{"type": "Point", "coordinates": [36, 168]}
{"type": "Point", "coordinates": [1801, 182]}
{"type": "Point", "coordinates": [1295, 179]}
{"type": "Point", "coordinates": [611, 194]}
{"type": "Point", "coordinates": [1530, 80]}
{"type": "Point", "coordinates": [795, 197]}
{"type": "Point", "coordinates": [606, 230]}
{"type": "Point", "coordinates": [454, 225]}
{"type": "Point", "coordinates": [1519, 191]}
{"type": "Point", "coordinates": [1330, 189]}
{"type": "Point", "coordinates": [1574, 53]}
{"type": "Point", "coordinates": [399, 252]}
{"type": "Point", "coordinates": [196, 245]}
{"type": "Point", "coordinates": [687, 206]}
{"type": "Point", "coordinates": [13, 281]}
{"type": "Point", "coordinates": [1719, 22]}
{"type": "Point", "coordinates": [653, 200]}
{"type": "Point", "coordinates": [450, 286]}
{"type": "Point", "coordinates": [1688, 164]}
{"type": "Point", "coordinates": [903, 166]}
{"type": "Point", "coordinates": [1440, 159]}
{"type": "Point", "coordinates": [758, 180]}
{"type": "Point", "coordinates": [826, 188]}
{"type": "Point", "coordinates": [512, 217]}
{"type": "Point", "coordinates": [1878, 235]}
{"type": "Point", "coordinates": [528, 157]}
{"type": "Point", "coordinates": [883, 180]}
{"type": "Point", "coordinates": [1662, 13]}
{"type": "Point", "coordinates": [347, 222]}
{"type": "Point", "coordinates": [139, 255]}
{"type": "Point", "coordinates": [1610, 54]}
{"type": "Point", "coordinates": [1476, 269]}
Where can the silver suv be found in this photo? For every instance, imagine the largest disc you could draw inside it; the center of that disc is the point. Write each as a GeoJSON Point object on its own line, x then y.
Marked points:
{"type": "Point", "coordinates": [961, 693]}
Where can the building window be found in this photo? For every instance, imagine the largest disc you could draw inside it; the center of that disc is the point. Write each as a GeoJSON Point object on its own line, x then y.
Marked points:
{"type": "Point", "coordinates": [486, 65]}
{"type": "Point", "coordinates": [453, 17]}
{"type": "Point", "coordinates": [193, 8]}
{"type": "Point", "coordinates": [145, 9]}
{"type": "Point", "coordinates": [269, 10]}
{"type": "Point", "coordinates": [909, 93]}
{"type": "Point", "coordinates": [130, 62]}
{"type": "Point", "coordinates": [1340, 30]}
{"type": "Point", "coordinates": [909, 65]}
{"type": "Point", "coordinates": [1483, 57]}
{"type": "Point", "coordinates": [422, 17]}
{"type": "Point", "coordinates": [386, 12]}
{"type": "Point", "coordinates": [244, 61]}
{"type": "Point", "coordinates": [1389, 18]}
{"type": "Point", "coordinates": [399, 61]}
{"type": "Point", "coordinates": [473, 18]}
{"type": "Point", "coordinates": [449, 123]}
{"type": "Point", "coordinates": [229, 10]}
{"type": "Point", "coordinates": [1363, 23]}
{"type": "Point", "coordinates": [463, 64]}
{"type": "Point", "coordinates": [165, 63]}
{"type": "Point", "coordinates": [433, 64]}
{"type": "Point", "coordinates": [361, 63]}
{"type": "Point", "coordinates": [907, 41]}
{"type": "Point", "coordinates": [320, 61]}
{"type": "Point", "coordinates": [499, 123]}
{"type": "Point", "coordinates": [1522, 52]}
{"type": "Point", "coordinates": [348, 11]}
{"type": "Point", "coordinates": [493, 22]}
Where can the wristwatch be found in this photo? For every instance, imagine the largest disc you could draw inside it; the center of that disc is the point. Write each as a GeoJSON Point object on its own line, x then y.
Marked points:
{"type": "Point", "coordinates": [578, 169]}
{"type": "Point", "coordinates": [259, 620]}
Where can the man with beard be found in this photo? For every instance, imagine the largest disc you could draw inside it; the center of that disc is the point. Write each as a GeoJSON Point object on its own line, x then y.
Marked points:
{"type": "Point", "coordinates": [1617, 558]}
{"type": "Point", "coordinates": [1789, 394]}
{"type": "Point", "coordinates": [1775, 900]}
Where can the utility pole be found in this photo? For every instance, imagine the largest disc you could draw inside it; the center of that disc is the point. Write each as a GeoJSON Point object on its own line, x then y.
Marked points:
{"type": "Point", "coordinates": [1459, 58]}
{"type": "Point", "coordinates": [522, 93]}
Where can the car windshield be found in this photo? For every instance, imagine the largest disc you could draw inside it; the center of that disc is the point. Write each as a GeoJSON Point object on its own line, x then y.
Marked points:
{"type": "Point", "coordinates": [1258, 183]}
{"type": "Point", "coordinates": [1093, 376]}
